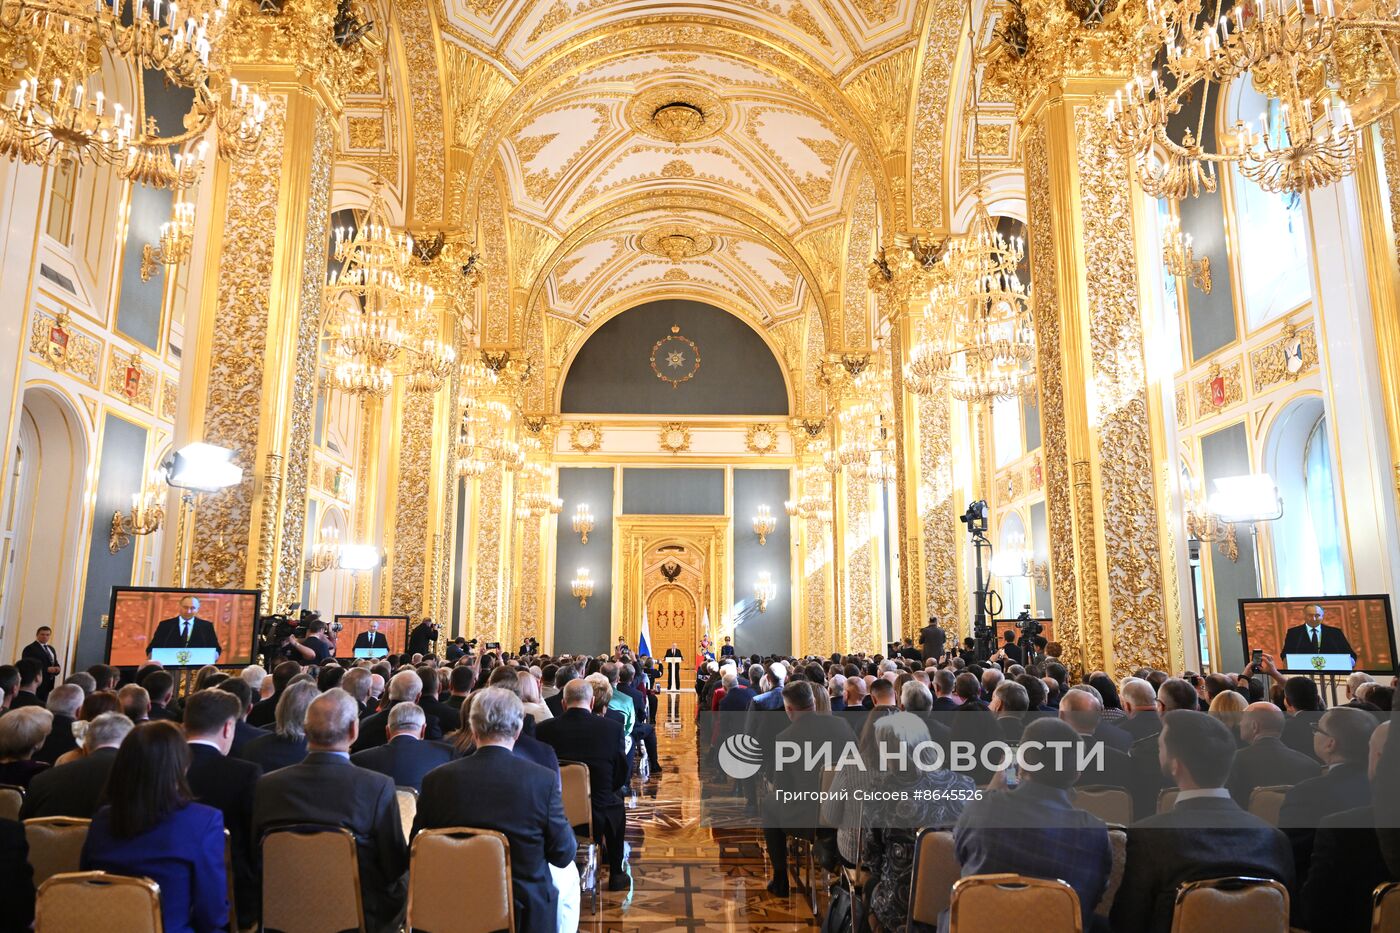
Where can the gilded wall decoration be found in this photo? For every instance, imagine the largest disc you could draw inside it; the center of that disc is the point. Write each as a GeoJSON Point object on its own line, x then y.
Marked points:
{"type": "Point", "coordinates": [856, 297]}
{"type": "Point", "coordinates": [411, 497]}
{"type": "Point", "coordinates": [938, 512]}
{"type": "Point", "coordinates": [416, 29]}
{"type": "Point", "coordinates": [585, 437]}
{"type": "Point", "coordinates": [993, 139]}
{"type": "Point", "coordinates": [1132, 547]}
{"type": "Point", "coordinates": [234, 404]}
{"type": "Point", "coordinates": [761, 438]}
{"type": "Point", "coordinates": [677, 113]}
{"type": "Point", "coordinates": [530, 247]}
{"type": "Point", "coordinates": [1292, 355]}
{"type": "Point", "coordinates": [905, 479]}
{"type": "Point", "coordinates": [882, 93]}
{"type": "Point", "coordinates": [365, 133]}
{"type": "Point", "coordinates": [861, 617]}
{"type": "Point", "coordinates": [1059, 502]}
{"type": "Point", "coordinates": [811, 394]}
{"type": "Point", "coordinates": [492, 519]}
{"type": "Point", "coordinates": [495, 326]}
{"type": "Point", "coordinates": [272, 489]}
{"type": "Point", "coordinates": [1011, 485]}
{"type": "Point", "coordinates": [529, 615]}
{"type": "Point", "coordinates": [1390, 158]}
{"type": "Point", "coordinates": [675, 358]}
{"type": "Point", "coordinates": [932, 102]}
{"type": "Point", "coordinates": [674, 437]}
{"type": "Point", "coordinates": [814, 591]}
{"type": "Point", "coordinates": [306, 352]}
{"type": "Point", "coordinates": [81, 354]}
{"type": "Point", "coordinates": [131, 379]}
{"type": "Point", "coordinates": [1182, 403]}
{"type": "Point", "coordinates": [475, 88]}
{"type": "Point", "coordinates": [169, 398]}
{"type": "Point", "coordinates": [1221, 387]}
{"type": "Point", "coordinates": [676, 241]}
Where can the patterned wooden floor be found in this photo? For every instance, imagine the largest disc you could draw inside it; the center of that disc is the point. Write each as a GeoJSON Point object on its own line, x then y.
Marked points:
{"type": "Point", "coordinates": [686, 876]}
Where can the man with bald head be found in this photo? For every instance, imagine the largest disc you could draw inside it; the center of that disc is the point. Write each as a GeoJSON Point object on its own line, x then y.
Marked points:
{"type": "Point", "coordinates": [1265, 760]}
{"type": "Point", "coordinates": [326, 788]}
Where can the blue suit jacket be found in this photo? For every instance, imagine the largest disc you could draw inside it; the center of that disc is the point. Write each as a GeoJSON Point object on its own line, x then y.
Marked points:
{"type": "Point", "coordinates": [184, 854]}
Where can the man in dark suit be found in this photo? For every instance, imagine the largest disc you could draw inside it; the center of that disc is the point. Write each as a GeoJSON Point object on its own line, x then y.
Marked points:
{"type": "Point", "coordinates": [327, 788]}
{"type": "Point", "coordinates": [808, 731]}
{"type": "Point", "coordinates": [597, 742]}
{"type": "Point", "coordinates": [932, 639]}
{"type": "Point", "coordinates": [405, 687]}
{"type": "Point", "coordinates": [31, 674]}
{"type": "Point", "coordinates": [264, 711]}
{"type": "Point", "coordinates": [161, 688]}
{"type": "Point", "coordinates": [447, 717]}
{"type": "Point", "coordinates": [423, 637]}
{"type": "Point", "coordinates": [1035, 830]}
{"type": "Point", "coordinates": [16, 879]}
{"type": "Point", "coordinates": [1140, 702]}
{"type": "Point", "coordinates": [372, 637]}
{"type": "Point", "coordinates": [406, 757]}
{"type": "Point", "coordinates": [1313, 637]}
{"type": "Point", "coordinates": [460, 683]}
{"type": "Point", "coordinates": [226, 784]}
{"type": "Point", "coordinates": [494, 789]}
{"type": "Point", "coordinates": [1265, 760]}
{"type": "Point", "coordinates": [243, 732]}
{"type": "Point", "coordinates": [1084, 713]}
{"type": "Point", "coordinates": [1148, 777]}
{"type": "Point", "coordinates": [185, 630]}
{"type": "Point", "coordinates": [75, 789]}
{"type": "Point", "coordinates": [64, 702]}
{"type": "Point", "coordinates": [726, 650]}
{"type": "Point", "coordinates": [1010, 651]}
{"type": "Point", "coordinates": [943, 699]}
{"type": "Point", "coordinates": [40, 650]}
{"type": "Point", "coordinates": [1341, 740]}
{"type": "Point", "coordinates": [1204, 835]}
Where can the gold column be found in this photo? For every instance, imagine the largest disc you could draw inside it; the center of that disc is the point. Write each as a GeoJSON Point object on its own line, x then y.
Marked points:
{"type": "Point", "coordinates": [408, 531]}
{"type": "Point", "coordinates": [1113, 572]}
{"type": "Point", "coordinates": [1378, 183]}
{"type": "Point", "coordinates": [856, 551]}
{"type": "Point", "coordinates": [257, 342]}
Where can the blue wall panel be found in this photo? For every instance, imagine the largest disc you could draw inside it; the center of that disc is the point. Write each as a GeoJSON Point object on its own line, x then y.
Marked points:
{"type": "Point", "coordinates": [677, 491]}
{"type": "Point", "coordinates": [581, 630]}
{"type": "Point", "coordinates": [770, 631]}
{"type": "Point", "coordinates": [1226, 453]}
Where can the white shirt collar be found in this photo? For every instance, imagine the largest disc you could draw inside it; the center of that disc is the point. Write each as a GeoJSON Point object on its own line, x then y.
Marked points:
{"type": "Point", "coordinates": [207, 742]}
{"type": "Point", "coordinates": [1204, 792]}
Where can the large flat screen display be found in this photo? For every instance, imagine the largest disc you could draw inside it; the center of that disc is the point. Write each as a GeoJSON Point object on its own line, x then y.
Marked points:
{"type": "Point", "coordinates": [372, 636]}
{"type": "Point", "coordinates": [1353, 633]}
{"type": "Point", "coordinates": [181, 627]}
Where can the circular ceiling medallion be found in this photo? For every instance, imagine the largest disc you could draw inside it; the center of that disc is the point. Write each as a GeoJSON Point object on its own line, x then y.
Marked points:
{"type": "Point", "coordinates": [677, 113]}
{"type": "Point", "coordinates": [676, 242]}
{"type": "Point", "coordinates": [675, 359]}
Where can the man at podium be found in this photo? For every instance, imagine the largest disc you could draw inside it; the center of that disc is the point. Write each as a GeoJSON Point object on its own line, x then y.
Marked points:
{"type": "Point", "coordinates": [673, 658]}
{"type": "Point", "coordinates": [372, 637]}
{"type": "Point", "coordinates": [1315, 638]}
{"type": "Point", "coordinates": [185, 630]}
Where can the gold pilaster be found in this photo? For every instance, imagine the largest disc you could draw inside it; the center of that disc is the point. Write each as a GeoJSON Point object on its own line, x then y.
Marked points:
{"type": "Point", "coordinates": [1378, 183]}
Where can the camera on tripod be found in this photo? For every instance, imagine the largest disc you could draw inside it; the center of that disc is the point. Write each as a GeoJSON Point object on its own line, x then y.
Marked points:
{"type": "Point", "coordinates": [975, 518]}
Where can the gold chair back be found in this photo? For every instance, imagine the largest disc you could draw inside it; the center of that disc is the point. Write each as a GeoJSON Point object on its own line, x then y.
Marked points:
{"type": "Point", "coordinates": [578, 808]}
{"type": "Point", "coordinates": [96, 902]}
{"type": "Point", "coordinates": [1167, 799]}
{"type": "Point", "coordinates": [11, 799]}
{"type": "Point", "coordinates": [55, 845]}
{"type": "Point", "coordinates": [935, 871]}
{"type": "Point", "coordinates": [1240, 905]}
{"type": "Point", "coordinates": [1385, 908]}
{"type": "Point", "coordinates": [1118, 838]}
{"type": "Point", "coordinates": [326, 900]}
{"type": "Point", "coordinates": [1266, 802]}
{"type": "Point", "coordinates": [1110, 804]}
{"type": "Point", "coordinates": [995, 903]}
{"type": "Point", "coordinates": [439, 862]}
{"type": "Point", "coordinates": [408, 809]}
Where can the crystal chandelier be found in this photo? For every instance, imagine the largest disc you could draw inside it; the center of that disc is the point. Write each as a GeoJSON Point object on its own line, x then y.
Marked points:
{"type": "Point", "coordinates": [50, 111]}
{"type": "Point", "coordinates": [1326, 72]}
{"type": "Point", "coordinates": [857, 428]}
{"type": "Point", "coordinates": [474, 379]}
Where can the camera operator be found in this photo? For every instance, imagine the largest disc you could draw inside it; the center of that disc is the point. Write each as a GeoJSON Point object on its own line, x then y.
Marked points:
{"type": "Point", "coordinates": [313, 647]}
{"type": "Point", "coordinates": [423, 639]}
{"type": "Point", "coordinates": [529, 648]}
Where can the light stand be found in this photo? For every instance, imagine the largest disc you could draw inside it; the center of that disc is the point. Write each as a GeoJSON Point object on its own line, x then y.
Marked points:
{"type": "Point", "coordinates": [197, 468]}
{"type": "Point", "coordinates": [975, 518]}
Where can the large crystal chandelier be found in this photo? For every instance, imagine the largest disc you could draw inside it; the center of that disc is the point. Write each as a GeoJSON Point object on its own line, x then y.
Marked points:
{"type": "Point", "coordinates": [382, 325]}
{"type": "Point", "coordinates": [51, 54]}
{"type": "Point", "coordinates": [474, 380]}
{"type": "Point", "coordinates": [1327, 69]}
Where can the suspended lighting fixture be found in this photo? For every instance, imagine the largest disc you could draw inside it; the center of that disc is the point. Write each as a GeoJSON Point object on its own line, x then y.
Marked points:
{"type": "Point", "coordinates": [1326, 72]}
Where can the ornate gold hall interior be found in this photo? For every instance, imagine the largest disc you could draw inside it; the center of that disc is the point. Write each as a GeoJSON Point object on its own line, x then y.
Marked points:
{"type": "Point", "coordinates": [555, 318]}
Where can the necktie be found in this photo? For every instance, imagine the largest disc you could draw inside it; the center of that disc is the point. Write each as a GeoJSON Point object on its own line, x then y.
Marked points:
{"type": "Point", "coordinates": [1316, 640]}
{"type": "Point", "coordinates": [185, 632]}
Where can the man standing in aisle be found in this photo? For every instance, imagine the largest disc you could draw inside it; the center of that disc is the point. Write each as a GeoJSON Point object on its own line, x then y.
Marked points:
{"type": "Point", "coordinates": [40, 650]}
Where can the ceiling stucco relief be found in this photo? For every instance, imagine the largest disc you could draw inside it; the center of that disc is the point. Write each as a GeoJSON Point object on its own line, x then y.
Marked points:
{"type": "Point", "coordinates": [943, 34]}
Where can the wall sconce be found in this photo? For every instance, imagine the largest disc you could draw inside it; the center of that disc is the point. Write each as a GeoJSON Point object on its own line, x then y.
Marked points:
{"type": "Point", "coordinates": [792, 507]}
{"type": "Point", "coordinates": [325, 553]}
{"type": "Point", "coordinates": [582, 587]}
{"type": "Point", "coordinates": [1180, 259]}
{"type": "Point", "coordinates": [176, 240]}
{"type": "Point", "coordinates": [764, 590]}
{"type": "Point", "coordinates": [146, 517]}
{"type": "Point", "coordinates": [1206, 527]}
{"type": "Point", "coordinates": [583, 522]}
{"type": "Point", "coordinates": [357, 557]}
{"type": "Point", "coordinates": [763, 523]}
{"type": "Point", "coordinates": [1039, 572]}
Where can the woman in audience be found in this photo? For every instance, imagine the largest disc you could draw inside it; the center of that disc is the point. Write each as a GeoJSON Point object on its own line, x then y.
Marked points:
{"type": "Point", "coordinates": [22, 731]}
{"type": "Point", "coordinates": [286, 746]}
{"type": "Point", "coordinates": [530, 696]}
{"type": "Point", "coordinates": [1108, 692]}
{"type": "Point", "coordinates": [1228, 707]}
{"type": "Point", "coordinates": [94, 705]}
{"type": "Point", "coordinates": [151, 828]}
{"type": "Point", "coordinates": [201, 678]}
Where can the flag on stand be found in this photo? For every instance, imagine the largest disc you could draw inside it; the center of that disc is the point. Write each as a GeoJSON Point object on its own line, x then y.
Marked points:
{"type": "Point", "coordinates": [644, 640]}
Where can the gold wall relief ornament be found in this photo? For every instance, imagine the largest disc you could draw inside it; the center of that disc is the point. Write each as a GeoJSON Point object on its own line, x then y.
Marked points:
{"type": "Point", "coordinates": [56, 342]}
{"type": "Point", "coordinates": [1292, 355]}
{"type": "Point", "coordinates": [1182, 403]}
{"type": "Point", "coordinates": [1221, 387]}
{"type": "Point", "coordinates": [585, 437]}
{"type": "Point", "coordinates": [761, 438]}
{"type": "Point", "coordinates": [675, 358]}
{"type": "Point", "coordinates": [131, 379]}
{"type": "Point", "coordinates": [677, 113]}
{"type": "Point", "coordinates": [676, 242]}
{"type": "Point", "coordinates": [411, 509]}
{"type": "Point", "coordinates": [675, 437]}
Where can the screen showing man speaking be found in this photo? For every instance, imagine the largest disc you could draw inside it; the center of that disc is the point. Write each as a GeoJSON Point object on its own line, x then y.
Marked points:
{"type": "Point", "coordinates": [372, 636]}
{"type": "Point", "coordinates": [1330, 634]}
{"type": "Point", "coordinates": [181, 627]}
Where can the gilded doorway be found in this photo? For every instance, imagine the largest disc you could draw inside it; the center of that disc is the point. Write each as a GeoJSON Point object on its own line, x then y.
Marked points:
{"type": "Point", "coordinates": [676, 567]}
{"type": "Point", "coordinates": [671, 612]}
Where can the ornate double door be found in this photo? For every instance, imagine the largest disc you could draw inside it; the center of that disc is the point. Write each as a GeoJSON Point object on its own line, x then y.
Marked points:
{"type": "Point", "coordinates": [672, 617]}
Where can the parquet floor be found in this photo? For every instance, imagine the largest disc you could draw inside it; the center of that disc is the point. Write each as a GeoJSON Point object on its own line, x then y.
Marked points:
{"type": "Point", "coordinates": [685, 875]}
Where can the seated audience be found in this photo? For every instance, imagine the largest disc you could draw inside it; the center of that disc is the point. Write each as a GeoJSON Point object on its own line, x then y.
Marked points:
{"type": "Point", "coordinates": [160, 686]}
{"type": "Point", "coordinates": [1265, 760]}
{"type": "Point", "coordinates": [1205, 834]}
{"type": "Point", "coordinates": [31, 675]}
{"type": "Point", "coordinates": [75, 789]}
{"type": "Point", "coordinates": [437, 712]}
{"type": "Point", "coordinates": [495, 789]}
{"type": "Point", "coordinates": [149, 826]}
{"type": "Point", "coordinates": [326, 788]}
{"type": "Point", "coordinates": [22, 734]}
{"type": "Point", "coordinates": [1341, 740]}
{"type": "Point", "coordinates": [405, 687]}
{"type": "Point", "coordinates": [243, 733]}
{"type": "Point", "coordinates": [64, 702]}
{"type": "Point", "coordinates": [406, 757]}
{"type": "Point", "coordinates": [264, 712]}
{"type": "Point", "coordinates": [287, 745]}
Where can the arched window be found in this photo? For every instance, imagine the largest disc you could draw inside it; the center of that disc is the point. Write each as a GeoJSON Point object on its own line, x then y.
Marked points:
{"type": "Point", "coordinates": [1272, 236]}
{"type": "Point", "coordinates": [1307, 546]}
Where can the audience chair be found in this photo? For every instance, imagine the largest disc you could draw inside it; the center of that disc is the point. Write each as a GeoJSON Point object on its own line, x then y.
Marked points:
{"type": "Point", "coordinates": [1240, 905]}
{"type": "Point", "coordinates": [408, 809]}
{"type": "Point", "coordinates": [1118, 839]}
{"type": "Point", "coordinates": [1385, 908]}
{"type": "Point", "coordinates": [229, 875]}
{"type": "Point", "coordinates": [935, 872]}
{"type": "Point", "coordinates": [439, 861]}
{"type": "Point", "coordinates": [1167, 799]}
{"type": "Point", "coordinates": [96, 902]}
{"type": "Point", "coordinates": [1110, 804]}
{"type": "Point", "coordinates": [326, 900]}
{"type": "Point", "coordinates": [578, 810]}
{"type": "Point", "coordinates": [55, 845]}
{"type": "Point", "coordinates": [994, 903]}
{"type": "Point", "coordinates": [1265, 802]}
{"type": "Point", "coordinates": [11, 799]}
